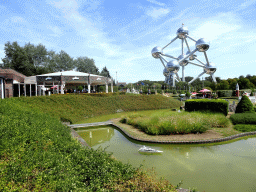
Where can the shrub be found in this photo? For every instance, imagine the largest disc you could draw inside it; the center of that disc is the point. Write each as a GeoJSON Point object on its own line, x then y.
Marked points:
{"type": "Point", "coordinates": [225, 93]}
{"type": "Point", "coordinates": [216, 105]}
{"type": "Point", "coordinates": [243, 118]}
{"type": "Point", "coordinates": [245, 127]}
{"type": "Point", "coordinates": [244, 106]}
{"type": "Point", "coordinates": [188, 94]}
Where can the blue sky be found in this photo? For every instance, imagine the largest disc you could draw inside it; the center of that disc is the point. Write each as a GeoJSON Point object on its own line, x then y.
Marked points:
{"type": "Point", "coordinates": [121, 34]}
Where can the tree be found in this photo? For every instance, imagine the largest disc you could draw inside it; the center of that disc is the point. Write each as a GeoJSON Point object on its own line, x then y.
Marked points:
{"type": "Point", "coordinates": [223, 85]}
{"type": "Point", "coordinates": [64, 62]}
{"type": "Point", "coordinates": [244, 83]}
{"type": "Point", "coordinates": [245, 105]}
{"type": "Point", "coordinates": [218, 79]}
{"type": "Point", "coordinates": [17, 58]}
{"type": "Point", "coordinates": [87, 65]}
{"type": "Point", "coordinates": [104, 72]}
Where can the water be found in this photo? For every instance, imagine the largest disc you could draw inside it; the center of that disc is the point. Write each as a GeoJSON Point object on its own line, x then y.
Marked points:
{"type": "Point", "coordinates": [227, 167]}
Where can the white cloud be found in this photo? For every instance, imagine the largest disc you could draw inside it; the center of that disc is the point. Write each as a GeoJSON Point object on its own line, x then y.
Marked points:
{"type": "Point", "coordinates": [156, 2]}
{"type": "Point", "coordinates": [156, 13]}
{"type": "Point", "coordinates": [17, 19]}
{"type": "Point", "coordinates": [56, 30]}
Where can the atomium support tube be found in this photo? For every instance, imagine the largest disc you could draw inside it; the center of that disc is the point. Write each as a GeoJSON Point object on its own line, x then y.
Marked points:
{"type": "Point", "coordinates": [191, 53]}
{"type": "Point", "coordinates": [206, 58]}
{"type": "Point", "coordinates": [200, 61]}
{"type": "Point", "coordinates": [170, 56]}
{"type": "Point", "coordinates": [213, 78]}
{"type": "Point", "coordinates": [182, 47]}
{"type": "Point", "coordinates": [163, 58]}
{"type": "Point", "coordinates": [190, 38]}
{"type": "Point", "coordinates": [196, 64]}
{"type": "Point", "coordinates": [196, 78]}
{"type": "Point", "coordinates": [187, 44]}
{"type": "Point", "coordinates": [177, 75]}
{"type": "Point", "coordinates": [183, 73]}
{"type": "Point", "coordinates": [163, 64]}
{"type": "Point", "coordinates": [170, 42]}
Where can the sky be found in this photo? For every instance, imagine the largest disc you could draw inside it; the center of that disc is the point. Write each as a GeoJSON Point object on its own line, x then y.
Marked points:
{"type": "Point", "coordinates": [121, 34]}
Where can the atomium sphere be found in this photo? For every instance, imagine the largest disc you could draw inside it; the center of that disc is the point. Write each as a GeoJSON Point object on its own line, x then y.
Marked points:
{"type": "Point", "coordinates": [184, 62]}
{"type": "Point", "coordinates": [182, 32]}
{"type": "Point", "coordinates": [156, 51]}
{"type": "Point", "coordinates": [210, 69]}
{"type": "Point", "coordinates": [191, 57]}
{"type": "Point", "coordinates": [165, 72]}
{"type": "Point", "coordinates": [173, 66]}
{"type": "Point", "coordinates": [202, 45]}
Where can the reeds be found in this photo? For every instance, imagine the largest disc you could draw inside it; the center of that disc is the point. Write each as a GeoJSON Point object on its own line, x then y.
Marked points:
{"type": "Point", "coordinates": [176, 123]}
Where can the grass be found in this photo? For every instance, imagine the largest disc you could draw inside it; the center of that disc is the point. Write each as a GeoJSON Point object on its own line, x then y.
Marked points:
{"type": "Point", "coordinates": [37, 153]}
{"type": "Point", "coordinates": [76, 108]}
{"type": "Point", "coordinates": [168, 122]}
{"type": "Point", "coordinates": [119, 115]}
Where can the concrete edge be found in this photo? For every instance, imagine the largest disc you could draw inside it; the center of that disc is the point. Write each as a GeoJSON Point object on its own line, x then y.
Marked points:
{"type": "Point", "coordinates": [72, 127]}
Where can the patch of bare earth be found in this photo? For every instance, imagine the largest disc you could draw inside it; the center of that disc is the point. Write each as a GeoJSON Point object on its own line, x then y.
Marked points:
{"type": "Point", "coordinates": [210, 134]}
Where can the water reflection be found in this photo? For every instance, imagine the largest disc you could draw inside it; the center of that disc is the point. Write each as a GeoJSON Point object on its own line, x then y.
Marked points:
{"type": "Point", "coordinates": [96, 136]}
{"type": "Point", "coordinates": [226, 167]}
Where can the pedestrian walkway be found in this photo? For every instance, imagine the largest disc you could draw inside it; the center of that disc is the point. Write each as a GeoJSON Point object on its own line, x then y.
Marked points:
{"type": "Point", "coordinates": [91, 124]}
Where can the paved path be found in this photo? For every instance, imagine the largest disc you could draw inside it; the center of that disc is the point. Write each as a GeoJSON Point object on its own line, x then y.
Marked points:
{"type": "Point", "coordinates": [91, 124]}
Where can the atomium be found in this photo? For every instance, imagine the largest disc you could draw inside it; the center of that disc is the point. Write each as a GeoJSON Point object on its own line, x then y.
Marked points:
{"type": "Point", "coordinates": [171, 68]}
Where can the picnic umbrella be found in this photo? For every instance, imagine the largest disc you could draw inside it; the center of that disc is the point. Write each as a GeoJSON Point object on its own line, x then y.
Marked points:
{"type": "Point", "coordinates": [205, 90]}
{"type": "Point", "coordinates": [54, 87]}
{"type": "Point", "coordinates": [194, 93]}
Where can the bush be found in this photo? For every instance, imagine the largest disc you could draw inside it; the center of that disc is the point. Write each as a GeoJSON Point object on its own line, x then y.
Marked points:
{"type": "Point", "coordinates": [244, 106]}
{"type": "Point", "coordinates": [245, 127]}
{"type": "Point", "coordinates": [188, 94]}
{"type": "Point", "coordinates": [216, 105]}
{"type": "Point", "coordinates": [243, 118]}
{"type": "Point", "coordinates": [225, 93]}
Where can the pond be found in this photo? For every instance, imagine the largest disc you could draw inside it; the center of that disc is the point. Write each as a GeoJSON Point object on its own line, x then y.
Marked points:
{"type": "Point", "coordinates": [227, 167]}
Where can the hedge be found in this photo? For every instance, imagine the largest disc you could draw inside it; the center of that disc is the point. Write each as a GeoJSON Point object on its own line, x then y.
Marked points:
{"type": "Point", "coordinates": [245, 127]}
{"type": "Point", "coordinates": [214, 105]}
{"type": "Point", "coordinates": [243, 118]}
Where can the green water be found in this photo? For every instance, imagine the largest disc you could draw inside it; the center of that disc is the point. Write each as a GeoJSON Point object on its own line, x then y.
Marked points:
{"type": "Point", "coordinates": [228, 167]}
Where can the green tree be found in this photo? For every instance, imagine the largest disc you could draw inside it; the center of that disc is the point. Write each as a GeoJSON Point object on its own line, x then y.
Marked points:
{"type": "Point", "coordinates": [17, 58]}
{"type": "Point", "coordinates": [87, 65]}
{"type": "Point", "coordinates": [223, 85]}
{"type": "Point", "coordinates": [245, 106]}
{"type": "Point", "coordinates": [64, 62]}
{"type": "Point", "coordinates": [244, 83]}
{"type": "Point", "coordinates": [104, 72]}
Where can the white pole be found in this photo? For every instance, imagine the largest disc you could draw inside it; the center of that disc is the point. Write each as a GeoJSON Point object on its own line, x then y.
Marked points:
{"type": "Point", "coordinates": [25, 90]}
{"type": "Point", "coordinates": [106, 88]}
{"type": "Point", "coordinates": [30, 90]}
{"type": "Point", "coordinates": [2, 89]}
{"type": "Point", "coordinates": [89, 88]}
{"type": "Point", "coordinates": [44, 90]}
{"type": "Point", "coordinates": [19, 89]}
{"type": "Point", "coordinates": [36, 88]}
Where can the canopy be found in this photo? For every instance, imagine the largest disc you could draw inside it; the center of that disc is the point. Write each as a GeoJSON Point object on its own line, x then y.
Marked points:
{"type": "Point", "coordinates": [205, 90]}
{"type": "Point", "coordinates": [54, 87]}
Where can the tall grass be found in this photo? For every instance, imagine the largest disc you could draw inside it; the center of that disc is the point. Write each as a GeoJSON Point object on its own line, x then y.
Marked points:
{"type": "Point", "coordinates": [176, 123]}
